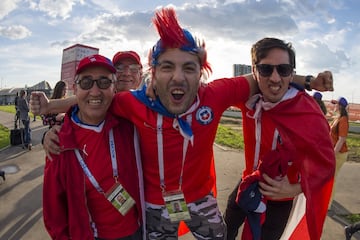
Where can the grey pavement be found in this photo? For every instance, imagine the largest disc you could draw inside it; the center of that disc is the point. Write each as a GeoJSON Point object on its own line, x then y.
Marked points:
{"type": "Point", "coordinates": [21, 193]}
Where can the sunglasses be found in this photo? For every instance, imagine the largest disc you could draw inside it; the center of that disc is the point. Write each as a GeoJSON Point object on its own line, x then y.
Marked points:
{"type": "Point", "coordinates": [265, 70]}
{"type": "Point", "coordinates": [87, 83]}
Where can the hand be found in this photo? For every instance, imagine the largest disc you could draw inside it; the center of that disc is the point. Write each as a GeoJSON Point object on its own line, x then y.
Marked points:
{"type": "Point", "coordinates": [60, 117]}
{"type": "Point", "coordinates": [323, 82]}
{"type": "Point", "coordinates": [38, 103]}
{"type": "Point", "coordinates": [279, 189]}
{"type": "Point", "coordinates": [51, 141]}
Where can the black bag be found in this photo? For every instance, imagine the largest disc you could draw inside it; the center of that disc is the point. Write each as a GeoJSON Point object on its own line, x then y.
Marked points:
{"type": "Point", "coordinates": [17, 136]}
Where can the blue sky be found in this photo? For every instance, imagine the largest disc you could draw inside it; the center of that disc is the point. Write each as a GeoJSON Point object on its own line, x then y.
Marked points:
{"type": "Point", "coordinates": [324, 33]}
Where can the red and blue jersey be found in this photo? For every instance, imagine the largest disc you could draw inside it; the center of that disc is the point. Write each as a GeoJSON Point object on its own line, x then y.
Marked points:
{"type": "Point", "coordinates": [198, 172]}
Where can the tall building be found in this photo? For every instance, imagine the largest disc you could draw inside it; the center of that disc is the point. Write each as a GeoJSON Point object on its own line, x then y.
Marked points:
{"type": "Point", "coordinates": [70, 60]}
{"type": "Point", "coordinates": [241, 69]}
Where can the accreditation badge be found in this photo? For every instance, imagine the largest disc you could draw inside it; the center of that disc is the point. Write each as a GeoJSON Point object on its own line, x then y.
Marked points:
{"type": "Point", "coordinates": [176, 206]}
{"type": "Point", "coordinates": [120, 198]}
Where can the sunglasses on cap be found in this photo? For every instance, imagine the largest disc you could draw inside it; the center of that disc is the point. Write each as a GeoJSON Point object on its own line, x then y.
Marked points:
{"type": "Point", "coordinates": [87, 83]}
{"type": "Point", "coordinates": [265, 70]}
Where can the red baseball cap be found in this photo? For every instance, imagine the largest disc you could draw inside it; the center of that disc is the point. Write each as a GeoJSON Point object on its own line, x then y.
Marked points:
{"type": "Point", "coordinates": [95, 60]}
{"type": "Point", "coordinates": [127, 54]}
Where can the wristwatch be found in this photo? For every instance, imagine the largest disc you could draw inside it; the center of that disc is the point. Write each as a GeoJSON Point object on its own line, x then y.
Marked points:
{"type": "Point", "coordinates": [307, 82]}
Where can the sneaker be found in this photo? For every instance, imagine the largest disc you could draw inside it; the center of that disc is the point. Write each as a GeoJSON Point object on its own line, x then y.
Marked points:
{"type": "Point", "coordinates": [2, 174]}
{"type": "Point", "coordinates": [30, 146]}
{"type": "Point", "coordinates": [348, 232]}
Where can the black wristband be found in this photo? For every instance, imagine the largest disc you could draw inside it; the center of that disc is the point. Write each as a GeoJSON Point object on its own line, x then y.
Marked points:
{"type": "Point", "coordinates": [307, 82]}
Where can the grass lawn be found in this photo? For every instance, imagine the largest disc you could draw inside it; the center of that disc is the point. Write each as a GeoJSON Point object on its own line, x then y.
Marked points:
{"type": "Point", "coordinates": [5, 132]}
{"type": "Point", "coordinates": [4, 136]}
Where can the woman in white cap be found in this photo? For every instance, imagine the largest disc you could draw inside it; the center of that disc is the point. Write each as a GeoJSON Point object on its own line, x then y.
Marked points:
{"type": "Point", "coordinates": [339, 129]}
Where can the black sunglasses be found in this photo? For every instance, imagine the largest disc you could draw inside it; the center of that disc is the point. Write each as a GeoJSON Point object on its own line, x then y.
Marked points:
{"type": "Point", "coordinates": [87, 83]}
{"type": "Point", "coordinates": [265, 70]}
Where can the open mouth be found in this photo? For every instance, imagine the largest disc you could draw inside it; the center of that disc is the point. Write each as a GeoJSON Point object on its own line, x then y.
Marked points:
{"type": "Point", "coordinates": [177, 94]}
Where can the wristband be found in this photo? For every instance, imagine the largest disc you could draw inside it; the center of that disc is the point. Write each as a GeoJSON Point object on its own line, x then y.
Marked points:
{"type": "Point", "coordinates": [307, 82]}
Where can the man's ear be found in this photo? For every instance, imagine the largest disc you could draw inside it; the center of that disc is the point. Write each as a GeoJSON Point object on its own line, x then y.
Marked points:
{"type": "Point", "coordinates": [253, 71]}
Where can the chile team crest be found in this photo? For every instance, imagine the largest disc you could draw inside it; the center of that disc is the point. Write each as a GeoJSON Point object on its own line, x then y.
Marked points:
{"type": "Point", "coordinates": [204, 115]}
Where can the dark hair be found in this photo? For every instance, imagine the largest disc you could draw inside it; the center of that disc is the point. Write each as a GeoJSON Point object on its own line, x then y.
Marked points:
{"type": "Point", "coordinates": [343, 111]}
{"type": "Point", "coordinates": [322, 105]}
{"type": "Point", "coordinates": [262, 47]}
{"type": "Point", "coordinates": [58, 90]}
{"type": "Point", "coordinates": [22, 93]}
{"type": "Point", "coordinates": [173, 36]}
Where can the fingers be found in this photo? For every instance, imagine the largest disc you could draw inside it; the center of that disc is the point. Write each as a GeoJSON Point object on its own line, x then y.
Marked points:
{"type": "Point", "coordinates": [330, 82]}
{"type": "Point", "coordinates": [34, 104]}
{"type": "Point", "coordinates": [51, 141]}
{"type": "Point", "coordinates": [279, 188]}
{"type": "Point", "coordinates": [269, 187]}
{"type": "Point", "coordinates": [48, 155]}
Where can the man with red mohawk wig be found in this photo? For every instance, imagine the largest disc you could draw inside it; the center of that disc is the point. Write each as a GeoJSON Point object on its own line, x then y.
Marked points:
{"type": "Point", "coordinates": [177, 129]}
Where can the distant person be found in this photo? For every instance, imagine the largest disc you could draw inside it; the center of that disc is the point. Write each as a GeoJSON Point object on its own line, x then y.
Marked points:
{"type": "Point", "coordinates": [351, 229]}
{"type": "Point", "coordinates": [23, 107]}
{"type": "Point", "coordinates": [339, 129]}
{"type": "Point", "coordinates": [52, 119]}
{"type": "Point", "coordinates": [318, 98]}
{"type": "Point", "coordinates": [16, 101]}
{"type": "Point", "coordinates": [128, 70]}
{"type": "Point", "coordinates": [17, 112]}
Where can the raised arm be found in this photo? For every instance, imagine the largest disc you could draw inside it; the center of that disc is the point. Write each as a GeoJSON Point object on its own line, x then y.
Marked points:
{"type": "Point", "coordinates": [40, 104]}
{"type": "Point", "coordinates": [322, 82]}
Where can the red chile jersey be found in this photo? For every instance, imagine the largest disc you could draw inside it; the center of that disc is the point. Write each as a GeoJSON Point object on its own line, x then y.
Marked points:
{"type": "Point", "coordinates": [72, 207]}
{"type": "Point", "coordinates": [299, 122]}
{"type": "Point", "coordinates": [198, 171]}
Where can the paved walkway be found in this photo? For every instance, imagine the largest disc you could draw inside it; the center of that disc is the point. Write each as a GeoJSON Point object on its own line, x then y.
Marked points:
{"type": "Point", "coordinates": [21, 202]}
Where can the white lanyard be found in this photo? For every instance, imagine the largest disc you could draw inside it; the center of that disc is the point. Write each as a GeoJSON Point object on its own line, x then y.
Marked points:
{"type": "Point", "coordinates": [260, 105]}
{"type": "Point", "coordinates": [113, 163]}
{"type": "Point", "coordinates": [160, 148]}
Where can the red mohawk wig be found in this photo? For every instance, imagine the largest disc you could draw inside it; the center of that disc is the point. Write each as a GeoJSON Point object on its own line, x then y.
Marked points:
{"type": "Point", "coordinates": [173, 36]}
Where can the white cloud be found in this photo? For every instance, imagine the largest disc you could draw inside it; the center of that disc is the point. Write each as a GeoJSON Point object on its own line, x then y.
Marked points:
{"type": "Point", "coordinates": [7, 6]}
{"type": "Point", "coordinates": [324, 33]}
{"type": "Point", "coordinates": [54, 9]}
{"type": "Point", "coordinates": [15, 32]}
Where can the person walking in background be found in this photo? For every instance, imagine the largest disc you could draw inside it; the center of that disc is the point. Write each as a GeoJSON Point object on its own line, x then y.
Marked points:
{"type": "Point", "coordinates": [23, 107]}
{"type": "Point", "coordinates": [99, 156]}
{"type": "Point", "coordinates": [17, 113]}
{"type": "Point", "coordinates": [351, 229]}
{"type": "Point", "coordinates": [128, 70]}
{"type": "Point", "coordinates": [16, 101]}
{"type": "Point", "coordinates": [339, 129]}
{"type": "Point", "coordinates": [318, 98]}
{"type": "Point", "coordinates": [52, 119]}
